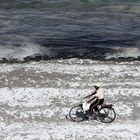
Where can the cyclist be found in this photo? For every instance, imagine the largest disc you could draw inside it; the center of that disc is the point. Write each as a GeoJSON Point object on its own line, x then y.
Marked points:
{"type": "Point", "coordinates": [93, 100]}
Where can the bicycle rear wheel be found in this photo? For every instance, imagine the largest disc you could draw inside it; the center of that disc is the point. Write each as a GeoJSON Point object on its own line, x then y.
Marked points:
{"type": "Point", "coordinates": [76, 114]}
{"type": "Point", "coordinates": [107, 114]}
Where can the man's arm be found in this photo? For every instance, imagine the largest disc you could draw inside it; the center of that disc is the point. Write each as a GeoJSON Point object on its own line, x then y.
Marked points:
{"type": "Point", "coordinates": [90, 95]}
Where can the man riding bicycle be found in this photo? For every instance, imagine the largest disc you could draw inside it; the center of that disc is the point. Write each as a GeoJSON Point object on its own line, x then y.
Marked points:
{"type": "Point", "coordinates": [93, 100]}
{"type": "Point", "coordinates": [93, 108]}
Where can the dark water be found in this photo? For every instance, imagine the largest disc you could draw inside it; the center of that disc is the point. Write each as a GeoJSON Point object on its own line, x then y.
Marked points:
{"type": "Point", "coordinates": [54, 29]}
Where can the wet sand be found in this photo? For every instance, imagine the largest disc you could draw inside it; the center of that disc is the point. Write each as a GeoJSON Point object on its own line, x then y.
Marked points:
{"type": "Point", "coordinates": [36, 96]}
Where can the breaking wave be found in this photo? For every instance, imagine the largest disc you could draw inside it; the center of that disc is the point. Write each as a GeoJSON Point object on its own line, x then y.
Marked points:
{"type": "Point", "coordinates": [126, 53]}
{"type": "Point", "coordinates": [35, 52]}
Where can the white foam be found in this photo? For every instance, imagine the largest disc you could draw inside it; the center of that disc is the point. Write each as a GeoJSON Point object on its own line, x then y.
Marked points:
{"type": "Point", "coordinates": [25, 50]}
{"type": "Point", "coordinates": [122, 109]}
{"type": "Point", "coordinates": [33, 97]}
{"type": "Point", "coordinates": [72, 131]}
{"type": "Point", "coordinates": [39, 113]}
{"type": "Point", "coordinates": [36, 96]}
{"type": "Point", "coordinates": [125, 52]}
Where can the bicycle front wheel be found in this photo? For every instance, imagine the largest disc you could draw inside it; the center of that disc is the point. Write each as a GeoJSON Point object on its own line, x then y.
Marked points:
{"type": "Point", "coordinates": [107, 114]}
{"type": "Point", "coordinates": [76, 114]}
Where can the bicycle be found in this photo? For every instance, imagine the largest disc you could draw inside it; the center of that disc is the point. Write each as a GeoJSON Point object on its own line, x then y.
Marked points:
{"type": "Point", "coordinates": [106, 113]}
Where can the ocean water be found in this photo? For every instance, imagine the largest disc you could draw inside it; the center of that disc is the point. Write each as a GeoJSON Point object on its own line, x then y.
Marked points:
{"type": "Point", "coordinates": [33, 30]}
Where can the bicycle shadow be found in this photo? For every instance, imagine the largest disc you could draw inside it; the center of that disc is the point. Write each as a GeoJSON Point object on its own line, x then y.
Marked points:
{"type": "Point", "coordinates": [84, 119]}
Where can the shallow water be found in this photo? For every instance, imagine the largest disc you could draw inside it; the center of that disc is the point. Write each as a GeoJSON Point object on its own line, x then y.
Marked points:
{"type": "Point", "coordinates": [36, 96]}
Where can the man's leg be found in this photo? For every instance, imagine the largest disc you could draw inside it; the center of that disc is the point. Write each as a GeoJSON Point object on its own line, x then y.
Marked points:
{"type": "Point", "coordinates": [94, 104]}
{"type": "Point", "coordinates": [99, 103]}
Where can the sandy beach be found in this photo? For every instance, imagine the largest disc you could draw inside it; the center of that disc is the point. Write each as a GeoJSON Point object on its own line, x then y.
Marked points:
{"type": "Point", "coordinates": [35, 97]}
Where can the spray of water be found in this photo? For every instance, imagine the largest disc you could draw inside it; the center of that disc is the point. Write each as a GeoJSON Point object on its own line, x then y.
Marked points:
{"type": "Point", "coordinates": [21, 52]}
{"type": "Point", "coordinates": [125, 52]}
